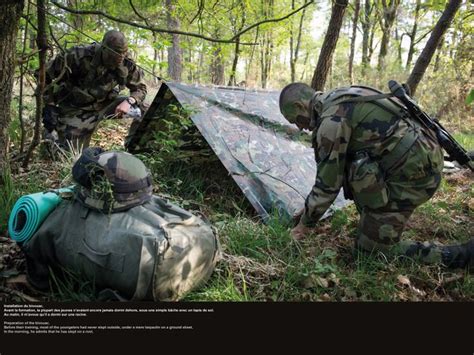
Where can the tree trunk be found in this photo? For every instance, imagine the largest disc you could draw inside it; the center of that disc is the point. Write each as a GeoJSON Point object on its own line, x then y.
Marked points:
{"type": "Point", "coordinates": [175, 65]}
{"type": "Point", "coordinates": [201, 64]}
{"type": "Point", "coordinates": [77, 20]}
{"type": "Point", "coordinates": [295, 54]}
{"type": "Point", "coordinates": [329, 45]}
{"type": "Point", "coordinates": [387, 21]}
{"type": "Point", "coordinates": [353, 39]}
{"type": "Point", "coordinates": [365, 22]}
{"type": "Point", "coordinates": [412, 35]}
{"type": "Point", "coordinates": [266, 59]}
{"type": "Point", "coordinates": [232, 81]}
{"type": "Point", "coordinates": [425, 57]}
{"type": "Point", "coordinates": [42, 42]}
{"type": "Point", "coordinates": [10, 12]}
{"type": "Point", "coordinates": [217, 66]}
{"type": "Point", "coordinates": [250, 60]}
{"type": "Point", "coordinates": [232, 78]}
{"type": "Point", "coordinates": [267, 45]}
{"type": "Point", "coordinates": [155, 58]}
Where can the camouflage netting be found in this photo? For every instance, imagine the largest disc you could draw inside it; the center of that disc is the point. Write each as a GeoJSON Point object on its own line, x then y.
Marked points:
{"type": "Point", "coordinates": [271, 161]}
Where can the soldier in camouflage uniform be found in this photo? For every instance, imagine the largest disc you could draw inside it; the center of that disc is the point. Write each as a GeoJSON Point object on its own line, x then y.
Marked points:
{"type": "Point", "coordinates": [386, 162]}
{"type": "Point", "coordinates": [83, 86]}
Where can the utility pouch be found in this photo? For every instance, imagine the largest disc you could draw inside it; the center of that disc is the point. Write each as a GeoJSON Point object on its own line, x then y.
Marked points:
{"type": "Point", "coordinates": [81, 97]}
{"type": "Point", "coordinates": [366, 182]}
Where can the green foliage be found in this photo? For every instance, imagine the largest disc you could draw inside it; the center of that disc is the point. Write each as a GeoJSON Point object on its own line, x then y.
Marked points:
{"type": "Point", "coordinates": [470, 97]}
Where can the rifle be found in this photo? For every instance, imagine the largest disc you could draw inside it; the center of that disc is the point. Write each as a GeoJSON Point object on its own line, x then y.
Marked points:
{"type": "Point", "coordinates": [445, 140]}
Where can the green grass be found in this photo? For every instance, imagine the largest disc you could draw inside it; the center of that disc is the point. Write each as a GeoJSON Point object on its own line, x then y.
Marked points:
{"type": "Point", "coordinates": [466, 140]}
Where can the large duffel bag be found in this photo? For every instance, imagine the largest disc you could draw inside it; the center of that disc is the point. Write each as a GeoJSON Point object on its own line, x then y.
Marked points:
{"type": "Point", "coordinates": [154, 251]}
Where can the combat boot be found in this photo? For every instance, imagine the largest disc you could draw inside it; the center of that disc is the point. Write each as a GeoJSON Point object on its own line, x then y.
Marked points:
{"type": "Point", "coordinates": [459, 256]}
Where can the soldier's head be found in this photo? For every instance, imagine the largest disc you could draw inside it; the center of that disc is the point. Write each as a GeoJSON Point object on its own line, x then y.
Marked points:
{"type": "Point", "coordinates": [114, 49]}
{"type": "Point", "coordinates": [295, 102]}
{"type": "Point", "coordinates": [112, 180]}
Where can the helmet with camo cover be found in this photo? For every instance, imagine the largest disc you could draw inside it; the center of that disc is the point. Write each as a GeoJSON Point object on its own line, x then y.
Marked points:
{"type": "Point", "coordinates": [111, 181]}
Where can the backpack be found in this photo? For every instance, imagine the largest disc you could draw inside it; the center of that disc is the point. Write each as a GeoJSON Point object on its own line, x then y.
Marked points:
{"type": "Point", "coordinates": [154, 251]}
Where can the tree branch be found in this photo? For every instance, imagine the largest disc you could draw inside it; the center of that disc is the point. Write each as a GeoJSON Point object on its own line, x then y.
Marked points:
{"type": "Point", "coordinates": [197, 35]}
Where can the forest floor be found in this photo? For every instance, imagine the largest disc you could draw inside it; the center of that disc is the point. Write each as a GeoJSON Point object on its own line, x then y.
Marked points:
{"type": "Point", "coordinates": [260, 261]}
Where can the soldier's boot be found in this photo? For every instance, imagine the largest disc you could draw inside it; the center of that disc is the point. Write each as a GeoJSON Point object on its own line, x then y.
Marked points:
{"type": "Point", "coordinates": [459, 256]}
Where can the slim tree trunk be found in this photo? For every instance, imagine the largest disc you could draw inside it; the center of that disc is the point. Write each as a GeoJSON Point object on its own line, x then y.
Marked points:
{"type": "Point", "coordinates": [175, 65]}
{"type": "Point", "coordinates": [217, 66]}
{"type": "Point", "coordinates": [10, 12]}
{"type": "Point", "coordinates": [365, 22]}
{"type": "Point", "coordinates": [329, 45]}
{"type": "Point", "coordinates": [412, 35]}
{"type": "Point", "coordinates": [425, 57]}
{"type": "Point", "coordinates": [23, 69]}
{"type": "Point", "coordinates": [252, 54]}
{"type": "Point", "coordinates": [232, 78]}
{"type": "Point", "coordinates": [201, 64]}
{"type": "Point", "coordinates": [387, 21]}
{"type": "Point", "coordinates": [155, 58]}
{"type": "Point", "coordinates": [77, 20]}
{"type": "Point", "coordinates": [294, 55]}
{"type": "Point", "coordinates": [42, 42]}
{"type": "Point", "coordinates": [355, 20]}
{"type": "Point", "coordinates": [266, 52]}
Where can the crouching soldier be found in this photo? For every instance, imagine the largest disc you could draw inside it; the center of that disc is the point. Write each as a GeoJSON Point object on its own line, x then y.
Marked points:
{"type": "Point", "coordinates": [119, 236]}
{"type": "Point", "coordinates": [82, 87]}
{"type": "Point", "coordinates": [387, 162]}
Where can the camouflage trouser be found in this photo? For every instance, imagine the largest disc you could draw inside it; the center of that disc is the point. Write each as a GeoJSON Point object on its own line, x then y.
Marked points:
{"type": "Point", "coordinates": [75, 125]}
{"type": "Point", "coordinates": [381, 230]}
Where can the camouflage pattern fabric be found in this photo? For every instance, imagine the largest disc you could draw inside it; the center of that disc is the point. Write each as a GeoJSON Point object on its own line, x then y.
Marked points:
{"type": "Point", "coordinates": [252, 139]}
{"type": "Point", "coordinates": [353, 141]}
{"type": "Point", "coordinates": [111, 181]}
{"type": "Point", "coordinates": [83, 89]}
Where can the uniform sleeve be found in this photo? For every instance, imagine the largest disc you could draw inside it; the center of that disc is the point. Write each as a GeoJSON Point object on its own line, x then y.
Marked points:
{"type": "Point", "coordinates": [136, 83]}
{"type": "Point", "coordinates": [331, 142]}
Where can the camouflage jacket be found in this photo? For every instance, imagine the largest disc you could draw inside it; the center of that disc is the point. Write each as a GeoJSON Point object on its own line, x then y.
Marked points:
{"type": "Point", "coordinates": [78, 78]}
{"type": "Point", "coordinates": [344, 130]}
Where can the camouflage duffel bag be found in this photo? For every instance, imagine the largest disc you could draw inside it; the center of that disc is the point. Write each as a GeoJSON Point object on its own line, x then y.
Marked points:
{"type": "Point", "coordinates": [153, 251]}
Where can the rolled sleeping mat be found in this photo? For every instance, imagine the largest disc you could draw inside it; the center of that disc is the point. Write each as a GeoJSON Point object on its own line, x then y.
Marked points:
{"type": "Point", "coordinates": [30, 211]}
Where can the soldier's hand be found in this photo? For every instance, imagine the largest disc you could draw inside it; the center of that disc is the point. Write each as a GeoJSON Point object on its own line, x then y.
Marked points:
{"type": "Point", "coordinates": [122, 108]}
{"type": "Point", "coordinates": [300, 232]}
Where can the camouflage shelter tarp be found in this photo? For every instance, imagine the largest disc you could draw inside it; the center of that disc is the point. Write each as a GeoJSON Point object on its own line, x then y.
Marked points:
{"type": "Point", "coordinates": [270, 160]}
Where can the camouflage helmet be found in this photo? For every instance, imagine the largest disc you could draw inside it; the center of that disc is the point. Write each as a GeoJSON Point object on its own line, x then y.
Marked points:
{"type": "Point", "coordinates": [111, 181]}
{"type": "Point", "coordinates": [292, 93]}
